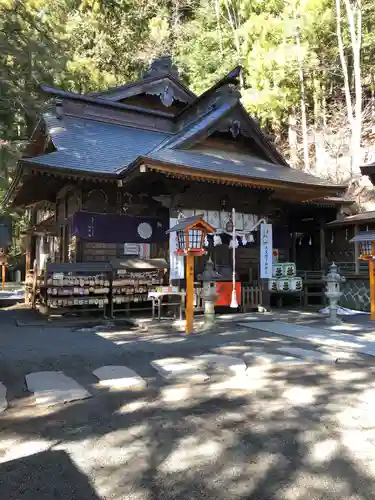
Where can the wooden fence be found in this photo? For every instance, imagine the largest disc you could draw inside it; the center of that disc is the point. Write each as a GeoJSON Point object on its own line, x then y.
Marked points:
{"type": "Point", "coordinates": [251, 298]}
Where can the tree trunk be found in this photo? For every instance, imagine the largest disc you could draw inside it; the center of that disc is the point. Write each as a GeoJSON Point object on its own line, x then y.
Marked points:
{"type": "Point", "coordinates": [218, 25]}
{"type": "Point", "coordinates": [293, 141]}
{"type": "Point", "coordinates": [234, 23]}
{"type": "Point", "coordinates": [305, 142]}
{"type": "Point", "coordinates": [324, 100]}
{"type": "Point", "coordinates": [354, 16]}
{"type": "Point", "coordinates": [317, 101]}
{"type": "Point", "coordinates": [344, 65]}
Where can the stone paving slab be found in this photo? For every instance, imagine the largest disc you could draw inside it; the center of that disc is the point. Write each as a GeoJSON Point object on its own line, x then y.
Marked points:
{"type": "Point", "coordinates": [267, 358]}
{"type": "Point", "coordinates": [119, 377]}
{"type": "Point", "coordinates": [345, 356]}
{"type": "Point", "coordinates": [317, 336]}
{"type": "Point", "coordinates": [52, 388]}
{"type": "Point", "coordinates": [228, 363]}
{"type": "Point", "coordinates": [308, 354]}
{"type": "Point", "coordinates": [3, 397]}
{"type": "Point", "coordinates": [180, 368]}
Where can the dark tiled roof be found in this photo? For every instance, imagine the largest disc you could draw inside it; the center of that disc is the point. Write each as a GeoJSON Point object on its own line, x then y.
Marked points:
{"type": "Point", "coordinates": [183, 223]}
{"type": "Point", "coordinates": [354, 219]}
{"type": "Point", "coordinates": [93, 146]}
{"type": "Point", "coordinates": [364, 236]}
{"type": "Point", "coordinates": [235, 164]}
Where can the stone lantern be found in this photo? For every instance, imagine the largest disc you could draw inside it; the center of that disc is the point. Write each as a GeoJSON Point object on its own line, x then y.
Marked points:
{"type": "Point", "coordinates": [209, 278]}
{"type": "Point", "coordinates": [333, 293]}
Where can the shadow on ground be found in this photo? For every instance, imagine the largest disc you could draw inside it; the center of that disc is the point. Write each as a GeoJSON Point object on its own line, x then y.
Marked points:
{"type": "Point", "coordinates": [283, 436]}
{"type": "Point", "coordinates": [46, 475]}
{"type": "Point", "coordinates": [283, 433]}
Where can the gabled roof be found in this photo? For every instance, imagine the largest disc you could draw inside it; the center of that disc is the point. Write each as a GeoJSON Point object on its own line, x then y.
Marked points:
{"type": "Point", "coordinates": [90, 145]}
{"type": "Point", "coordinates": [161, 73]}
{"type": "Point", "coordinates": [145, 86]}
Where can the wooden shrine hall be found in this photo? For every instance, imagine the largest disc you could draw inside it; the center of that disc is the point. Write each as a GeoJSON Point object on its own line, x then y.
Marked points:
{"type": "Point", "coordinates": [111, 171]}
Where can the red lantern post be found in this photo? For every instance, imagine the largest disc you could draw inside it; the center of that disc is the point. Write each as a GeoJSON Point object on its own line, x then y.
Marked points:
{"type": "Point", "coordinates": [191, 233]}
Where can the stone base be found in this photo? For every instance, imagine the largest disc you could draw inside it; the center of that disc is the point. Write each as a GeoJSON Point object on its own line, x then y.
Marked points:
{"type": "Point", "coordinates": [333, 321]}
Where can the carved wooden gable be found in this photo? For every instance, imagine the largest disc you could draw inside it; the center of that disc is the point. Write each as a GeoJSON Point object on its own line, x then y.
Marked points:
{"type": "Point", "coordinates": [160, 85]}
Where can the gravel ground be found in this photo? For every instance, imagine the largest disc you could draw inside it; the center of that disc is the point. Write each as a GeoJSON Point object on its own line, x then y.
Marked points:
{"type": "Point", "coordinates": [294, 433]}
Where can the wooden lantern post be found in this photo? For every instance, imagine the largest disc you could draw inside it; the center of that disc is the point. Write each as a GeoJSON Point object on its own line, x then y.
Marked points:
{"type": "Point", "coordinates": [366, 240]}
{"type": "Point", "coordinates": [191, 233]}
{"type": "Point", "coordinates": [3, 262]}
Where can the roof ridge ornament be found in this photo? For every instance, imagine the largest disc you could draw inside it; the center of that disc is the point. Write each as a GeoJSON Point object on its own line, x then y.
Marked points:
{"type": "Point", "coordinates": [160, 67]}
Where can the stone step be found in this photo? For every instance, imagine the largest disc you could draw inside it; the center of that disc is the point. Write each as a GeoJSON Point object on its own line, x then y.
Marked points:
{"type": "Point", "coordinates": [53, 387]}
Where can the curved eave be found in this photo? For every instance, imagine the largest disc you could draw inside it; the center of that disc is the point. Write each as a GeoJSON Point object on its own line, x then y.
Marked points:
{"type": "Point", "coordinates": [27, 169]}
{"type": "Point", "coordinates": [304, 192]}
{"type": "Point", "coordinates": [33, 166]}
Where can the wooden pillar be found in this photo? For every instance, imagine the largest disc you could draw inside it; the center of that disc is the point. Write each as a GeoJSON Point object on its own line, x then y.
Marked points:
{"type": "Point", "coordinates": [293, 256]}
{"type": "Point", "coordinates": [189, 293]}
{"type": "Point", "coordinates": [356, 250]}
{"type": "Point", "coordinates": [322, 248]}
{"type": "Point", "coordinates": [28, 255]}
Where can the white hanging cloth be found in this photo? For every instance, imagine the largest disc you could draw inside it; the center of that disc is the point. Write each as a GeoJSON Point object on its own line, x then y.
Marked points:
{"type": "Point", "coordinates": [235, 242]}
{"type": "Point", "coordinates": [217, 240]}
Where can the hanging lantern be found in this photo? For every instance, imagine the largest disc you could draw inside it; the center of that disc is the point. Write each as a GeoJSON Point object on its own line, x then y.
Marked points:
{"type": "Point", "coordinates": [310, 241]}
{"type": "Point", "coordinates": [300, 242]}
{"type": "Point", "coordinates": [332, 238]}
{"type": "Point", "coordinates": [191, 233]}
